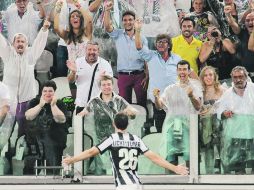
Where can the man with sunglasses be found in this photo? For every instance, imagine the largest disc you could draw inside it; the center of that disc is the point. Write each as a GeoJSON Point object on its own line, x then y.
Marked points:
{"type": "Point", "coordinates": [161, 67]}
{"type": "Point", "coordinates": [235, 109]}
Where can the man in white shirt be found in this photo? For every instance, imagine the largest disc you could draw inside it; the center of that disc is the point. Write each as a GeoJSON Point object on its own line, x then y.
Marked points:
{"type": "Point", "coordinates": [236, 109]}
{"type": "Point", "coordinates": [22, 18]}
{"type": "Point", "coordinates": [19, 62]}
{"type": "Point", "coordinates": [82, 71]}
{"type": "Point", "coordinates": [179, 101]}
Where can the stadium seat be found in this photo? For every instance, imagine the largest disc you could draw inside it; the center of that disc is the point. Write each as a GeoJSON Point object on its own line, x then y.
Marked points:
{"type": "Point", "coordinates": [149, 105]}
{"type": "Point", "coordinates": [115, 87]}
{"type": "Point", "coordinates": [69, 145]}
{"type": "Point", "coordinates": [5, 133]}
{"type": "Point", "coordinates": [63, 88]}
{"type": "Point", "coordinates": [88, 143]}
{"type": "Point", "coordinates": [136, 125]}
{"type": "Point", "coordinates": [43, 65]}
{"type": "Point", "coordinates": [14, 135]}
{"type": "Point", "coordinates": [17, 159]}
{"type": "Point", "coordinates": [37, 86]}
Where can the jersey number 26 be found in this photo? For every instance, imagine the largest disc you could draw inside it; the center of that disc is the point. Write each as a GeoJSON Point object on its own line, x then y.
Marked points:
{"type": "Point", "coordinates": [130, 159]}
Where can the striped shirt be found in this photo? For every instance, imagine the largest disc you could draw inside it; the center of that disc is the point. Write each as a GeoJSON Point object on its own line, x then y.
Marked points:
{"type": "Point", "coordinates": [124, 149]}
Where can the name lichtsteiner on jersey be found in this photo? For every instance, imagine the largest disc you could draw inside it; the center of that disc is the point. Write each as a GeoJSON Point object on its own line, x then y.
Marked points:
{"type": "Point", "coordinates": [123, 143]}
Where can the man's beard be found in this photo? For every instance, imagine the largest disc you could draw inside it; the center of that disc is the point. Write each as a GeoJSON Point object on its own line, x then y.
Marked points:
{"type": "Point", "coordinates": [94, 60]}
{"type": "Point", "coordinates": [189, 34]}
{"type": "Point", "coordinates": [240, 86]}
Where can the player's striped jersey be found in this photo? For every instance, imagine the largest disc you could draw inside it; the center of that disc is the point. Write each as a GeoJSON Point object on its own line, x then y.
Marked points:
{"type": "Point", "coordinates": [124, 149]}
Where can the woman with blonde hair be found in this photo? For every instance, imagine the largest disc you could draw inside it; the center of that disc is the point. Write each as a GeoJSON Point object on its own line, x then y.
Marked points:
{"type": "Point", "coordinates": [210, 82]}
{"type": "Point", "coordinates": [210, 126]}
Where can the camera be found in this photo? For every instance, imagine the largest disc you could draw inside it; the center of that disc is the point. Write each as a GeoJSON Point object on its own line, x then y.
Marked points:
{"type": "Point", "coordinates": [214, 34]}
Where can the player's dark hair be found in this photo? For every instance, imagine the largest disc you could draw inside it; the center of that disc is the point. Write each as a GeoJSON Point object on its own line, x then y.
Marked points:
{"type": "Point", "coordinates": [121, 121]}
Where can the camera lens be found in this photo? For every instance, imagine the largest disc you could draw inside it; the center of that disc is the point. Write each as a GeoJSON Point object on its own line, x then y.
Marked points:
{"type": "Point", "coordinates": [214, 34]}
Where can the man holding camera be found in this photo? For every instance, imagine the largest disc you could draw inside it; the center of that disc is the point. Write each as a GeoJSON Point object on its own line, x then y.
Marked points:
{"type": "Point", "coordinates": [226, 13]}
{"type": "Point", "coordinates": [217, 52]}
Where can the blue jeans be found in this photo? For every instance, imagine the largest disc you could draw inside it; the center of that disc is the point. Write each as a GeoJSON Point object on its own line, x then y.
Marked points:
{"type": "Point", "coordinates": [62, 57]}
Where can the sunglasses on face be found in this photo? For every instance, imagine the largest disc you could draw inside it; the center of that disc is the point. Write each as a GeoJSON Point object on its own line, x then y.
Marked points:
{"type": "Point", "coordinates": [162, 42]}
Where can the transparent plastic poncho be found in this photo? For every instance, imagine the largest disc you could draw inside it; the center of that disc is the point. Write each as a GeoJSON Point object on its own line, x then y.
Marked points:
{"type": "Point", "coordinates": [178, 107]}
{"type": "Point", "coordinates": [238, 131]}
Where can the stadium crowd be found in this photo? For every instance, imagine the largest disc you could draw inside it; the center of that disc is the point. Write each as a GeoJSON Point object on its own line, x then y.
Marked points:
{"type": "Point", "coordinates": [180, 56]}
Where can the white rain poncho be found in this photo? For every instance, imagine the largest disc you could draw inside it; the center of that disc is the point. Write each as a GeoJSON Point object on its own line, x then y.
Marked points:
{"type": "Point", "coordinates": [238, 131]}
{"type": "Point", "coordinates": [176, 124]}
